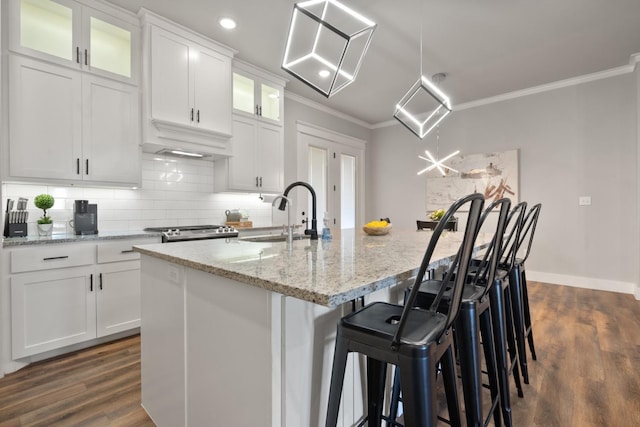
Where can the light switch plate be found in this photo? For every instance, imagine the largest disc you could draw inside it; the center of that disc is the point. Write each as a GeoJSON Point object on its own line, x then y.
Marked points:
{"type": "Point", "coordinates": [584, 200]}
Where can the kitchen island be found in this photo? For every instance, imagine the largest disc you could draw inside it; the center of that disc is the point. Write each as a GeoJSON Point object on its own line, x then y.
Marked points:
{"type": "Point", "coordinates": [241, 333]}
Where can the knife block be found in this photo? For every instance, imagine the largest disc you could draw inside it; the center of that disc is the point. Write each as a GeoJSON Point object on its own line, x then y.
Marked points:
{"type": "Point", "coordinates": [15, 229]}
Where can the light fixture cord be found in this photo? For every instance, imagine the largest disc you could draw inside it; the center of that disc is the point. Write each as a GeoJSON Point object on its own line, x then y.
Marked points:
{"type": "Point", "coordinates": [420, 20]}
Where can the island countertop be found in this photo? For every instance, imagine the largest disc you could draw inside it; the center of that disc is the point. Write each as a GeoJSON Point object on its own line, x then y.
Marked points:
{"type": "Point", "coordinates": [328, 273]}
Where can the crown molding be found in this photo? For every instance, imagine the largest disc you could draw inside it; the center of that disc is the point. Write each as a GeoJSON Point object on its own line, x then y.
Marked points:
{"type": "Point", "coordinates": [625, 69]}
{"type": "Point", "coordinates": [320, 107]}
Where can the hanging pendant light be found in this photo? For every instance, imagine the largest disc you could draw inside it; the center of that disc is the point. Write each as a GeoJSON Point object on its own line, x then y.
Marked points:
{"type": "Point", "coordinates": [437, 163]}
{"type": "Point", "coordinates": [326, 44]}
{"type": "Point", "coordinates": [424, 105]}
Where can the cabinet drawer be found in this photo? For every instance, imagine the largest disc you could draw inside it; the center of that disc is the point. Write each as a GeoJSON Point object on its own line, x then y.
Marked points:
{"type": "Point", "coordinates": [121, 250]}
{"type": "Point", "coordinates": [57, 256]}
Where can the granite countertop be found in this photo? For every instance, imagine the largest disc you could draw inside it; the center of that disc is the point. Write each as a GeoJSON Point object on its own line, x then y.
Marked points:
{"type": "Point", "coordinates": [72, 238]}
{"type": "Point", "coordinates": [328, 273]}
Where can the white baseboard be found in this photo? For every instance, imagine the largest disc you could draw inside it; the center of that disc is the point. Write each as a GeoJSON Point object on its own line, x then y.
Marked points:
{"type": "Point", "coordinates": [585, 282]}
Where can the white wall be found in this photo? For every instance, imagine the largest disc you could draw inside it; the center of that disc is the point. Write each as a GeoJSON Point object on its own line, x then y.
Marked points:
{"type": "Point", "coordinates": [174, 191]}
{"type": "Point", "coordinates": [574, 141]}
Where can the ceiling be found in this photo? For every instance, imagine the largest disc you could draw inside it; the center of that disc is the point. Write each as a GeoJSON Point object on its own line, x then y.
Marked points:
{"type": "Point", "coordinates": [486, 47]}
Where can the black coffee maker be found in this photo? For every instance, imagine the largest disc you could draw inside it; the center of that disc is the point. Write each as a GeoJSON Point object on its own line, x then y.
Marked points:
{"type": "Point", "coordinates": [85, 217]}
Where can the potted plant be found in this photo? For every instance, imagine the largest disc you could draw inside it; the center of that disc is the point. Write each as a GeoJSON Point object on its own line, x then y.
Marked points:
{"type": "Point", "coordinates": [45, 224]}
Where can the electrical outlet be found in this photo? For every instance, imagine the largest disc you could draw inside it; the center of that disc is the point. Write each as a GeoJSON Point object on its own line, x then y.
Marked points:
{"type": "Point", "coordinates": [584, 200]}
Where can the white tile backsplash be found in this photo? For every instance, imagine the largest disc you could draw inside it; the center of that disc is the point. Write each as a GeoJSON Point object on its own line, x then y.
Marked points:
{"type": "Point", "coordinates": [174, 192]}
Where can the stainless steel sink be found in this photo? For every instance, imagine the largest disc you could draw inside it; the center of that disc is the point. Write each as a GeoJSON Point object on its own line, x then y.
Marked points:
{"type": "Point", "coordinates": [272, 238]}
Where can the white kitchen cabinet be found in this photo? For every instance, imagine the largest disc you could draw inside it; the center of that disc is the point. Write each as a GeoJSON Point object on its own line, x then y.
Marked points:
{"type": "Point", "coordinates": [257, 93]}
{"type": "Point", "coordinates": [63, 294]}
{"type": "Point", "coordinates": [188, 90]}
{"type": "Point", "coordinates": [101, 40]}
{"type": "Point", "coordinates": [52, 309]}
{"type": "Point", "coordinates": [118, 287]}
{"type": "Point", "coordinates": [66, 125]}
{"type": "Point", "coordinates": [257, 164]}
{"type": "Point", "coordinates": [118, 297]}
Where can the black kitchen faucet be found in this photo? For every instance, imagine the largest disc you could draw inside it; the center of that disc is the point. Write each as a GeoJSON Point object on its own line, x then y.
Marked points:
{"type": "Point", "coordinates": [313, 231]}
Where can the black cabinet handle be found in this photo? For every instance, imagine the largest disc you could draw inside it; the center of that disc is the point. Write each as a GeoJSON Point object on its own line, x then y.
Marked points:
{"type": "Point", "coordinates": [192, 114]}
{"type": "Point", "coordinates": [87, 167]}
{"type": "Point", "coordinates": [127, 251]}
{"type": "Point", "coordinates": [100, 277]}
{"type": "Point", "coordinates": [260, 182]}
{"type": "Point", "coordinates": [55, 257]}
{"type": "Point", "coordinates": [260, 110]}
{"type": "Point", "coordinates": [78, 54]}
{"type": "Point", "coordinates": [86, 57]}
{"type": "Point", "coordinates": [257, 182]}
{"type": "Point", "coordinates": [91, 282]}
{"type": "Point", "coordinates": [78, 166]}
{"type": "Point", "coordinates": [256, 109]}
{"type": "Point", "coordinates": [198, 116]}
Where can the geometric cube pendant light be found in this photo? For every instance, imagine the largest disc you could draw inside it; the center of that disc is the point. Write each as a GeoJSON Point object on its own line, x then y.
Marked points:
{"type": "Point", "coordinates": [326, 44]}
{"type": "Point", "coordinates": [423, 107]}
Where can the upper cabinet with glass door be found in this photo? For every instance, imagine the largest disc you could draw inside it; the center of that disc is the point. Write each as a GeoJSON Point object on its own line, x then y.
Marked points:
{"type": "Point", "coordinates": [257, 93]}
{"type": "Point", "coordinates": [97, 39]}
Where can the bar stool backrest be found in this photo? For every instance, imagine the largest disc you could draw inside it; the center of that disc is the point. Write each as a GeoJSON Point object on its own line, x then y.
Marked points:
{"type": "Point", "coordinates": [485, 274]}
{"type": "Point", "coordinates": [529, 228]}
{"type": "Point", "coordinates": [459, 265]}
{"type": "Point", "coordinates": [512, 234]}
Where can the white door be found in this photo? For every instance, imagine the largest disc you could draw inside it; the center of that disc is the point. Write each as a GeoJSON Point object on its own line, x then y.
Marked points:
{"type": "Point", "coordinates": [335, 171]}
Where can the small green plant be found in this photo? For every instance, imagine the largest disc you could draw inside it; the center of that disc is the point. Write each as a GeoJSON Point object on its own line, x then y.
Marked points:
{"type": "Point", "coordinates": [44, 202]}
{"type": "Point", "coordinates": [437, 215]}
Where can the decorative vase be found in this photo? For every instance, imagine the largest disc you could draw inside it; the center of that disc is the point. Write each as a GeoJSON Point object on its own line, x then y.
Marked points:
{"type": "Point", "coordinates": [45, 229]}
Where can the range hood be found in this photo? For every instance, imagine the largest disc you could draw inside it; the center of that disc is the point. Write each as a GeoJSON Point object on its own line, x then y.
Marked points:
{"type": "Point", "coordinates": [163, 137]}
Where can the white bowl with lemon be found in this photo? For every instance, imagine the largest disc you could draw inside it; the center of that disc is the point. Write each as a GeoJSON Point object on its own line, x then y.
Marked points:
{"type": "Point", "coordinates": [377, 228]}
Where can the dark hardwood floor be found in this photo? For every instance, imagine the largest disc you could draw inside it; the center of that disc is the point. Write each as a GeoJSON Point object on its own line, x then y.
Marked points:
{"type": "Point", "coordinates": [587, 372]}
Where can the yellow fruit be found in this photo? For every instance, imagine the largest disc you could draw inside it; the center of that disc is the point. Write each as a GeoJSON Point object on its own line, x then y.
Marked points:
{"type": "Point", "coordinates": [377, 224]}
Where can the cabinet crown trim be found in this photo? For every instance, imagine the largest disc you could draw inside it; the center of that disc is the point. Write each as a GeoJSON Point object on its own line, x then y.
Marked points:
{"type": "Point", "coordinates": [148, 17]}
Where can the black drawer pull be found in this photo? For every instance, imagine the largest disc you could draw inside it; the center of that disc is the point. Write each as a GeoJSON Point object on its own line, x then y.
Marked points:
{"type": "Point", "coordinates": [127, 251]}
{"type": "Point", "coordinates": [55, 257]}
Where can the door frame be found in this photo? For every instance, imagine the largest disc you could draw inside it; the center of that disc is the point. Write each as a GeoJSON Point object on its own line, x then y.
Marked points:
{"type": "Point", "coordinates": [350, 144]}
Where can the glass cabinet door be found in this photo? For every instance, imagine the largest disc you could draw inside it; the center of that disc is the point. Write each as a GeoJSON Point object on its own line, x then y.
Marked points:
{"type": "Point", "coordinates": [109, 47]}
{"type": "Point", "coordinates": [243, 94]}
{"type": "Point", "coordinates": [48, 27]}
{"type": "Point", "coordinates": [270, 102]}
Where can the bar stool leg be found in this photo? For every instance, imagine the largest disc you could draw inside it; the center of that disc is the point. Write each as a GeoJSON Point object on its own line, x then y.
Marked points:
{"type": "Point", "coordinates": [418, 377]}
{"type": "Point", "coordinates": [450, 388]}
{"type": "Point", "coordinates": [376, 375]}
{"type": "Point", "coordinates": [518, 319]}
{"type": "Point", "coordinates": [527, 313]}
{"type": "Point", "coordinates": [500, 338]}
{"type": "Point", "coordinates": [337, 379]}
{"type": "Point", "coordinates": [511, 340]}
{"type": "Point", "coordinates": [395, 397]}
{"type": "Point", "coordinates": [469, 353]}
{"type": "Point", "coordinates": [488, 345]}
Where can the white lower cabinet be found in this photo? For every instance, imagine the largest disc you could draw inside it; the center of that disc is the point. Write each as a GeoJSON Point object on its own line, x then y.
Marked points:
{"type": "Point", "coordinates": [118, 297]}
{"type": "Point", "coordinates": [51, 309]}
{"type": "Point", "coordinates": [66, 294]}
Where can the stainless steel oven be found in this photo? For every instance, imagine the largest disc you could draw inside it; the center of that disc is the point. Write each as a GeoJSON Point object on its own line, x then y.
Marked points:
{"type": "Point", "coordinates": [194, 232]}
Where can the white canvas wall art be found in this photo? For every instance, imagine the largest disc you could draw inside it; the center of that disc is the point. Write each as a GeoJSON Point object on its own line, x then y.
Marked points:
{"type": "Point", "coordinates": [493, 174]}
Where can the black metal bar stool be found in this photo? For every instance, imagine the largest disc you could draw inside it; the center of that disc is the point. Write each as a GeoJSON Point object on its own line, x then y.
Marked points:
{"type": "Point", "coordinates": [475, 322]}
{"type": "Point", "coordinates": [416, 340]}
{"type": "Point", "coordinates": [519, 293]}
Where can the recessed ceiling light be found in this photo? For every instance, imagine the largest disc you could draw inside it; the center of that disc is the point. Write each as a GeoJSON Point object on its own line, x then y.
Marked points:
{"type": "Point", "coordinates": [227, 23]}
{"type": "Point", "coordinates": [324, 73]}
